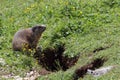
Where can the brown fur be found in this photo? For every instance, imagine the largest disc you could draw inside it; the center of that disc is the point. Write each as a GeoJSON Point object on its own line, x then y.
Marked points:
{"type": "Point", "coordinates": [27, 38]}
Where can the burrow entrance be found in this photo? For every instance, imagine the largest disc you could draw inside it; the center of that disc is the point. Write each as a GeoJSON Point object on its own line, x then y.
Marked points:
{"type": "Point", "coordinates": [102, 48]}
{"type": "Point", "coordinates": [81, 72]}
{"type": "Point", "coordinates": [53, 59]}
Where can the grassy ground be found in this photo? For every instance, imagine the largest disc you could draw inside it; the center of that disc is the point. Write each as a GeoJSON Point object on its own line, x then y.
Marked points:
{"type": "Point", "coordinates": [82, 25]}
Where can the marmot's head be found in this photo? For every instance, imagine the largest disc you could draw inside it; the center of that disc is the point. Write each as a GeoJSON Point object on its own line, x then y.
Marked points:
{"type": "Point", "coordinates": [38, 29]}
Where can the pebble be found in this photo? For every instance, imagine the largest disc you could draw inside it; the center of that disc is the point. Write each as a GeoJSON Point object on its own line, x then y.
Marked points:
{"type": "Point", "coordinates": [2, 61]}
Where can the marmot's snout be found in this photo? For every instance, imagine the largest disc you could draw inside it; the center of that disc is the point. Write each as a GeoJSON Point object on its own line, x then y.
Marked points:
{"type": "Point", "coordinates": [43, 27]}
{"type": "Point", "coordinates": [39, 28]}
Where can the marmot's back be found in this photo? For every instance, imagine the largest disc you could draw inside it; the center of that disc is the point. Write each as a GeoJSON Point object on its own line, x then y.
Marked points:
{"type": "Point", "coordinates": [20, 38]}
{"type": "Point", "coordinates": [27, 38]}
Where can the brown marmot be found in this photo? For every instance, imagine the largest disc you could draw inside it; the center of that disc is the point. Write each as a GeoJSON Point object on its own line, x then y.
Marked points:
{"type": "Point", "coordinates": [27, 38]}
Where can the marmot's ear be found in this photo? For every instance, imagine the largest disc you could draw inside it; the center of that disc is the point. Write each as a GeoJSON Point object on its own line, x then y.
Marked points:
{"type": "Point", "coordinates": [34, 28]}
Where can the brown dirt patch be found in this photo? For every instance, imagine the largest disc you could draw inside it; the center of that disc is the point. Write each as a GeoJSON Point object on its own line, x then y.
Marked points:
{"type": "Point", "coordinates": [44, 72]}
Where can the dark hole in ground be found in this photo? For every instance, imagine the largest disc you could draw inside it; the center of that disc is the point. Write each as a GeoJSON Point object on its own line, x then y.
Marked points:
{"type": "Point", "coordinates": [52, 59]}
{"type": "Point", "coordinates": [80, 72]}
{"type": "Point", "coordinates": [101, 48]}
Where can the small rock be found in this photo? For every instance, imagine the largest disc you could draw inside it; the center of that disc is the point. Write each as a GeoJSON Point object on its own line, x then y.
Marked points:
{"type": "Point", "coordinates": [17, 78]}
{"type": "Point", "coordinates": [2, 62]}
{"type": "Point", "coordinates": [99, 72]}
{"type": "Point", "coordinates": [32, 75]}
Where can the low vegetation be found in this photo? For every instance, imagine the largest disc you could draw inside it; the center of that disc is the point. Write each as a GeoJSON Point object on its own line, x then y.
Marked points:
{"type": "Point", "coordinates": [89, 29]}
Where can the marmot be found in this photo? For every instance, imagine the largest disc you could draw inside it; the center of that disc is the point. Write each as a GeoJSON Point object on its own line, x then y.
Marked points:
{"type": "Point", "coordinates": [27, 38]}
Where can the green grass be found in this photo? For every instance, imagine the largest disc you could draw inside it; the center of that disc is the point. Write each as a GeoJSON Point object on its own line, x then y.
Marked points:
{"type": "Point", "coordinates": [83, 25]}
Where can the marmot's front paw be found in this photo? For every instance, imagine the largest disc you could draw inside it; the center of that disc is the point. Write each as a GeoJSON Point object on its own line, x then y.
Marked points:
{"type": "Point", "coordinates": [38, 52]}
{"type": "Point", "coordinates": [39, 49]}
